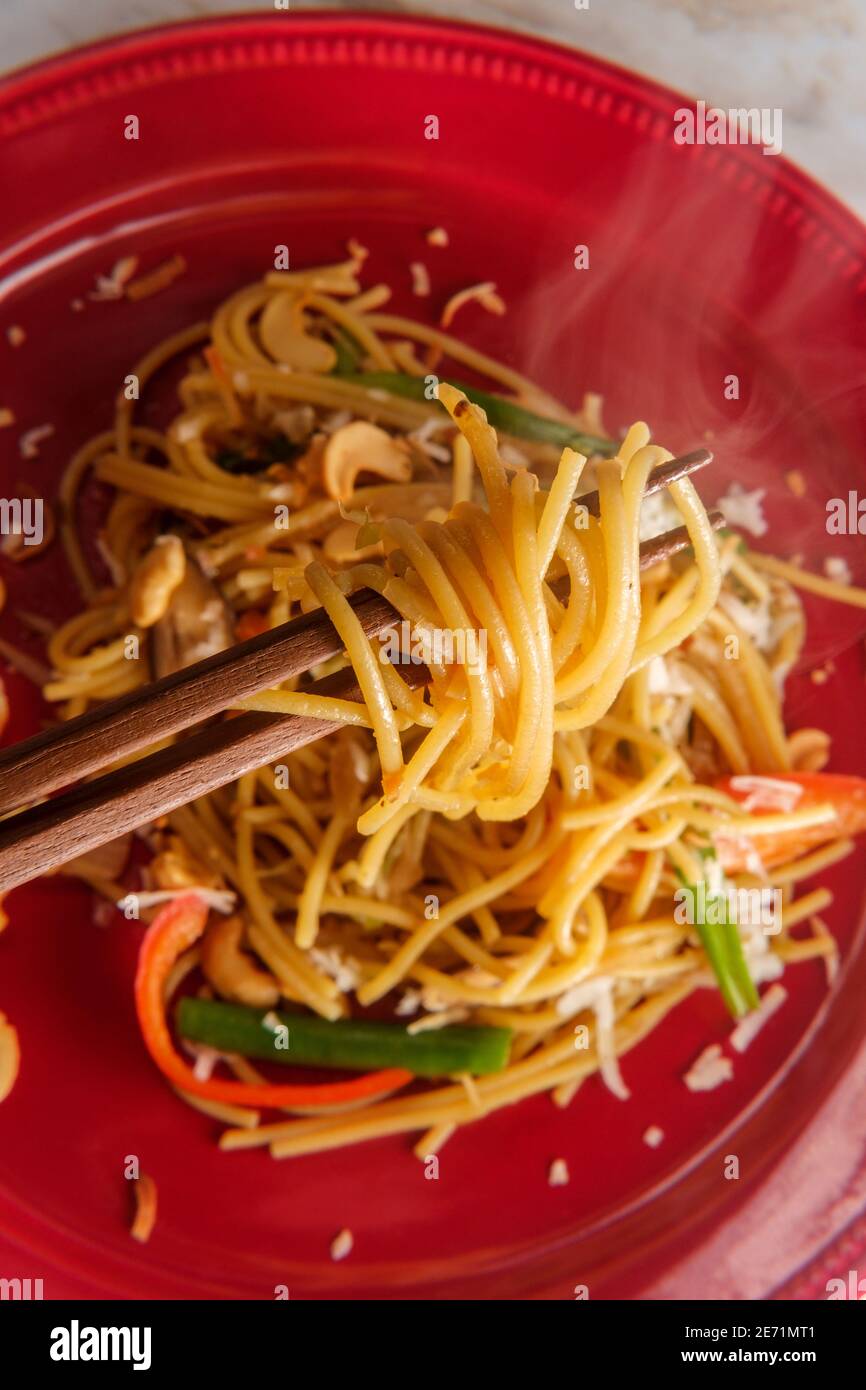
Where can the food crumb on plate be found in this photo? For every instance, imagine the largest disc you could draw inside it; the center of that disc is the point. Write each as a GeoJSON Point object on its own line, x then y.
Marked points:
{"type": "Point", "coordinates": [837, 569]}
{"type": "Point", "coordinates": [341, 1245]}
{"type": "Point", "coordinates": [743, 510]}
{"type": "Point", "coordinates": [484, 294]}
{"type": "Point", "coordinates": [420, 279]}
{"type": "Point", "coordinates": [795, 482]}
{"type": "Point", "coordinates": [749, 1027]}
{"type": "Point", "coordinates": [709, 1070]}
{"type": "Point", "coordinates": [558, 1174]}
{"type": "Point", "coordinates": [28, 444]}
{"type": "Point", "coordinates": [821, 674]}
{"type": "Point", "coordinates": [144, 1220]}
{"type": "Point", "coordinates": [112, 286]}
{"type": "Point", "coordinates": [157, 279]}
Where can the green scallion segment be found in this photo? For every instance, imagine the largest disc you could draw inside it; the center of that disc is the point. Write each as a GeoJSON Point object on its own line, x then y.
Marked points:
{"type": "Point", "coordinates": [724, 948]}
{"type": "Point", "coordinates": [348, 353]}
{"type": "Point", "coordinates": [348, 1044]}
{"type": "Point", "coordinates": [502, 414]}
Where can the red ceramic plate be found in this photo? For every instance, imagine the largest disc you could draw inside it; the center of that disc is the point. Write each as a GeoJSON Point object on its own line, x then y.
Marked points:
{"type": "Point", "coordinates": [705, 263]}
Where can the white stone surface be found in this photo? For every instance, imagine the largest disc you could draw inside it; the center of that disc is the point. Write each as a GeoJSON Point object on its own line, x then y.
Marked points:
{"type": "Point", "coordinates": [807, 57]}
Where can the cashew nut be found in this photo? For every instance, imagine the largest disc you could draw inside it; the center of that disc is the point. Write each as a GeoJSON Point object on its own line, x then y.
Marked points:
{"type": "Point", "coordinates": [155, 580]}
{"type": "Point", "coordinates": [176, 867]}
{"type": "Point", "coordinates": [231, 971]}
{"type": "Point", "coordinates": [283, 331]}
{"type": "Point", "coordinates": [362, 448]}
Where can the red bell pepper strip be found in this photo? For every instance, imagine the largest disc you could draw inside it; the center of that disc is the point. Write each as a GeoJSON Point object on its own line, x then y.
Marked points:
{"type": "Point", "coordinates": [177, 927]}
{"type": "Point", "coordinates": [847, 796]}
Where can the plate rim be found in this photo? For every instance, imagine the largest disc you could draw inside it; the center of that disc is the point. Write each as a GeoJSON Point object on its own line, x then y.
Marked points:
{"type": "Point", "coordinates": [41, 91]}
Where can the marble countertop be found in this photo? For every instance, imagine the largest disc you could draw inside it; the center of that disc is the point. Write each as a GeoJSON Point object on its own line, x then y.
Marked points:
{"type": "Point", "coordinates": [806, 57]}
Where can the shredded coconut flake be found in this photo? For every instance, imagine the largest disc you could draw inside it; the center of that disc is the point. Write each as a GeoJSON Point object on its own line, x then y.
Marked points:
{"type": "Point", "coordinates": [558, 1174]}
{"type": "Point", "coordinates": [658, 513]}
{"type": "Point", "coordinates": [341, 1245]}
{"type": "Point", "coordinates": [16, 335]}
{"type": "Point", "coordinates": [580, 997]}
{"type": "Point", "coordinates": [653, 1136]}
{"type": "Point", "coordinates": [206, 1059]}
{"type": "Point", "coordinates": [831, 960]}
{"type": "Point", "coordinates": [755, 619]}
{"type": "Point", "coordinates": [420, 279]}
{"type": "Point", "coordinates": [597, 994]}
{"type": "Point", "coordinates": [709, 1070]}
{"type": "Point", "coordinates": [408, 1004]}
{"type": "Point", "coordinates": [665, 679]}
{"type": "Point", "coordinates": [112, 286]}
{"type": "Point", "coordinates": [837, 569]}
{"type": "Point", "coordinates": [427, 1023]}
{"type": "Point", "coordinates": [219, 899]}
{"type": "Point", "coordinates": [28, 444]}
{"type": "Point", "coordinates": [112, 564]}
{"type": "Point", "coordinates": [767, 793]}
{"type": "Point", "coordinates": [744, 510]}
{"type": "Point", "coordinates": [344, 970]}
{"type": "Point", "coordinates": [748, 1028]}
{"type": "Point", "coordinates": [7, 417]}
{"type": "Point", "coordinates": [484, 294]}
{"type": "Point", "coordinates": [437, 236]}
{"type": "Point", "coordinates": [764, 968]}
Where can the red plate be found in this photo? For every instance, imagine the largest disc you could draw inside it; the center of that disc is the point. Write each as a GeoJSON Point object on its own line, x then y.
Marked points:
{"type": "Point", "coordinates": [705, 263]}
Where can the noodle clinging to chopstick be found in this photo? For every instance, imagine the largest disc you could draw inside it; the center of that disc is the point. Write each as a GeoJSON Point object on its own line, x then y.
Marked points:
{"type": "Point", "coordinates": [499, 881]}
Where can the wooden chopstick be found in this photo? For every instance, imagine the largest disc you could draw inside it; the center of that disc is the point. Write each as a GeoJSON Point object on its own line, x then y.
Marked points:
{"type": "Point", "coordinates": [66, 752]}
{"type": "Point", "coordinates": [121, 727]}
{"type": "Point", "coordinates": [92, 813]}
{"type": "Point", "coordinates": [53, 832]}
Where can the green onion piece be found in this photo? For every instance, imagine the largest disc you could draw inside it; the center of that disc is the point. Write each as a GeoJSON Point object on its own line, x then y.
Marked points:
{"type": "Point", "coordinates": [349, 1044]}
{"type": "Point", "coordinates": [502, 414]}
{"type": "Point", "coordinates": [348, 353]}
{"type": "Point", "coordinates": [724, 949]}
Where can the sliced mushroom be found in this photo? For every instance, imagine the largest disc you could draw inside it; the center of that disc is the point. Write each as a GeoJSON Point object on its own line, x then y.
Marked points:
{"type": "Point", "coordinates": [283, 329]}
{"type": "Point", "coordinates": [197, 623]}
{"type": "Point", "coordinates": [362, 448]}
